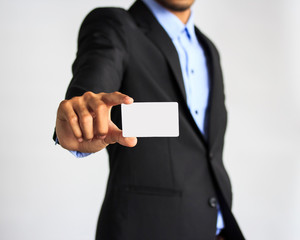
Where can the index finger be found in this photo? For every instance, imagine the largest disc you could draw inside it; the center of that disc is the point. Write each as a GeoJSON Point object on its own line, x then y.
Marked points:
{"type": "Point", "coordinates": [116, 98]}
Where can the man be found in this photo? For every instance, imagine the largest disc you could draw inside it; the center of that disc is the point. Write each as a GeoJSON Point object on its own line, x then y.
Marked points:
{"type": "Point", "coordinates": [160, 188]}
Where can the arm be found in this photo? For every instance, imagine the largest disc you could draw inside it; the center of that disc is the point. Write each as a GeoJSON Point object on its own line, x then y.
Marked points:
{"type": "Point", "coordinates": [83, 120]}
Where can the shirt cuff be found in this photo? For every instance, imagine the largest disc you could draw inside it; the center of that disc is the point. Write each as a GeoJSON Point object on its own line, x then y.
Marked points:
{"type": "Point", "coordinates": [75, 153]}
{"type": "Point", "coordinates": [79, 154]}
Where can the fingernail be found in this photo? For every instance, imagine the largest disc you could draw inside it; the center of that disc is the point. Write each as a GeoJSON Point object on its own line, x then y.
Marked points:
{"type": "Point", "coordinates": [129, 98]}
{"type": "Point", "coordinates": [80, 140]}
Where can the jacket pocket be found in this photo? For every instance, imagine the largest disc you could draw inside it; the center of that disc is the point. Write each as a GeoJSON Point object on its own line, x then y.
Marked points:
{"type": "Point", "coordinates": [153, 213]}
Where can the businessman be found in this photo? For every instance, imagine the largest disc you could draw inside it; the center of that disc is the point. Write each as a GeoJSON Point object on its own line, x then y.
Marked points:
{"type": "Point", "coordinates": [158, 188]}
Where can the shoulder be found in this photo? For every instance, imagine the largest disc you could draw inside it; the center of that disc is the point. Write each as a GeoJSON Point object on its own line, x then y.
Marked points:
{"type": "Point", "coordinates": [99, 16]}
{"type": "Point", "coordinates": [106, 22]}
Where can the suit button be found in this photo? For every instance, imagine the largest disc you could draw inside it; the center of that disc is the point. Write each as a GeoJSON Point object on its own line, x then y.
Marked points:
{"type": "Point", "coordinates": [211, 155]}
{"type": "Point", "coordinates": [212, 202]}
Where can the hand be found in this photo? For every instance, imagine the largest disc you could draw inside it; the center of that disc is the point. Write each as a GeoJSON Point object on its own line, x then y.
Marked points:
{"type": "Point", "coordinates": [84, 124]}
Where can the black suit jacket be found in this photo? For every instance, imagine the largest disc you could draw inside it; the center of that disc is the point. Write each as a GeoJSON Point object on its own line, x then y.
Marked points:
{"type": "Point", "coordinates": [164, 188]}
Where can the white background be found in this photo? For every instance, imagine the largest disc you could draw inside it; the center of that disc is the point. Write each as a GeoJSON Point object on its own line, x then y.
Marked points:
{"type": "Point", "coordinates": [45, 193]}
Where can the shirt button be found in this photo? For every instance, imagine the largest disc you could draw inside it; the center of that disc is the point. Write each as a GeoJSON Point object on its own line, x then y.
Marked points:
{"type": "Point", "coordinates": [212, 202]}
{"type": "Point", "coordinates": [192, 71]}
{"type": "Point", "coordinates": [196, 112]}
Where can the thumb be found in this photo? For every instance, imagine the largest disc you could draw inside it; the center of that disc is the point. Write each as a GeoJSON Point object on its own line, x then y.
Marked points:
{"type": "Point", "coordinates": [115, 135]}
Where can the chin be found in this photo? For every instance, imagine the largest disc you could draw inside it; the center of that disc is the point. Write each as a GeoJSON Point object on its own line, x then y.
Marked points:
{"type": "Point", "coordinates": [176, 5]}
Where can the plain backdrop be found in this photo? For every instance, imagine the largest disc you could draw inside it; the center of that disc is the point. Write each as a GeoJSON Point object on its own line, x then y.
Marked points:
{"type": "Point", "coordinates": [47, 194]}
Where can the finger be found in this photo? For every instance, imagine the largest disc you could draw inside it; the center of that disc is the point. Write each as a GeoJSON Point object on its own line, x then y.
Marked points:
{"type": "Point", "coordinates": [85, 121]}
{"type": "Point", "coordinates": [66, 113]}
{"type": "Point", "coordinates": [101, 117]}
{"type": "Point", "coordinates": [115, 135]}
{"type": "Point", "coordinates": [116, 98]}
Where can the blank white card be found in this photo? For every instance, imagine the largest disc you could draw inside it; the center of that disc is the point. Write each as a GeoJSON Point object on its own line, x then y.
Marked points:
{"type": "Point", "coordinates": [150, 119]}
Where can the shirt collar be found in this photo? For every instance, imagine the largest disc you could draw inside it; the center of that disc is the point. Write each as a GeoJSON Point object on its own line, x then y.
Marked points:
{"type": "Point", "coordinates": [171, 23]}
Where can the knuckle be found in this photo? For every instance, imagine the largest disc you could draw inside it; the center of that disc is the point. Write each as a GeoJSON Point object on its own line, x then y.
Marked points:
{"type": "Point", "coordinates": [76, 100]}
{"type": "Point", "coordinates": [88, 95]}
{"type": "Point", "coordinates": [73, 119]}
{"type": "Point", "coordinates": [100, 107]}
{"type": "Point", "coordinates": [64, 104]}
{"type": "Point", "coordinates": [86, 118]}
{"type": "Point", "coordinates": [118, 94]}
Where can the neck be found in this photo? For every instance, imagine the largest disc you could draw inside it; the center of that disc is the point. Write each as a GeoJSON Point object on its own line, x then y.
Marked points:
{"type": "Point", "coordinates": [182, 15]}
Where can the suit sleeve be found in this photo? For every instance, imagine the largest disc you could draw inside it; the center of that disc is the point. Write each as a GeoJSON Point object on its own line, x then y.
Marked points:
{"type": "Point", "coordinates": [102, 54]}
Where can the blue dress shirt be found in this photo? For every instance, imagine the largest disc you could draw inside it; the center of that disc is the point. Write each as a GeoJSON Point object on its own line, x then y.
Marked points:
{"type": "Point", "coordinates": [193, 67]}
{"type": "Point", "coordinates": [192, 60]}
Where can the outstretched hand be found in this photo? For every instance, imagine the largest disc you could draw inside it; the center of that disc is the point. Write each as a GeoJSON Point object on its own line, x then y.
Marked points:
{"type": "Point", "coordinates": [84, 124]}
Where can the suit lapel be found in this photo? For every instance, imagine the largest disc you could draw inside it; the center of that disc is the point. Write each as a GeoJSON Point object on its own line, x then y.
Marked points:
{"type": "Point", "coordinates": [214, 116]}
{"type": "Point", "coordinates": [147, 22]}
{"type": "Point", "coordinates": [160, 38]}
